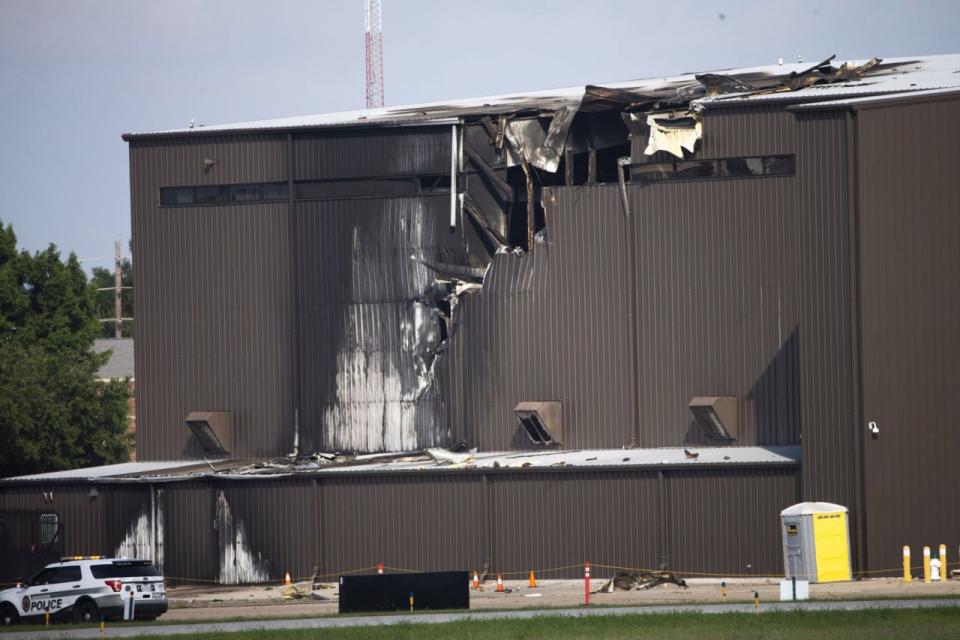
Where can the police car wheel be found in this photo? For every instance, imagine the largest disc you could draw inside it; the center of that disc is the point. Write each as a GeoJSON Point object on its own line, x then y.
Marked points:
{"type": "Point", "coordinates": [86, 611]}
{"type": "Point", "coordinates": [8, 615]}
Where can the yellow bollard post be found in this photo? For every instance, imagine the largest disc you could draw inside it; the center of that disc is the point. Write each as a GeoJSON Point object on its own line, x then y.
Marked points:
{"type": "Point", "coordinates": [411, 602]}
{"type": "Point", "coordinates": [944, 572]}
{"type": "Point", "coordinates": [102, 625]}
{"type": "Point", "coordinates": [906, 564]}
{"type": "Point", "coordinates": [46, 619]}
{"type": "Point", "coordinates": [756, 601]}
{"type": "Point", "coordinates": [926, 564]}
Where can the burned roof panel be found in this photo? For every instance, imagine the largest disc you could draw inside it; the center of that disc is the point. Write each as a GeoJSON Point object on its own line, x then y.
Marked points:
{"type": "Point", "coordinates": [799, 81]}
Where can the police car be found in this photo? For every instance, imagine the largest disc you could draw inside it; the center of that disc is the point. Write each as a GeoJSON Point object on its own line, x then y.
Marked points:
{"type": "Point", "coordinates": [86, 589]}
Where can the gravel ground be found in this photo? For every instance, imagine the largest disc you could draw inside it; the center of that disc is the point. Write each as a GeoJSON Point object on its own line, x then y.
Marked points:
{"type": "Point", "coordinates": [219, 603]}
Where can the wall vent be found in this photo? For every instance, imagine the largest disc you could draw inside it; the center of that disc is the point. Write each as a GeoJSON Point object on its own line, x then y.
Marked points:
{"type": "Point", "coordinates": [540, 425]}
{"type": "Point", "coordinates": [213, 430]}
{"type": "Point", "coordinates": [717, 416]}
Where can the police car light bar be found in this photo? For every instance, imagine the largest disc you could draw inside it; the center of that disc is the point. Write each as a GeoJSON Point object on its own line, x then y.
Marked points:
{"type": "Point", "coordinates": [69, 558]}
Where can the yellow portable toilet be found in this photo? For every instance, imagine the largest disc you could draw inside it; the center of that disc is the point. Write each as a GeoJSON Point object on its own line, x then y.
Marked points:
{"type": "Point", "coordinates": [816, 542]}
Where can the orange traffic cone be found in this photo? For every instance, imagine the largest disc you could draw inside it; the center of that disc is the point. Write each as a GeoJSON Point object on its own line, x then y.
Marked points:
{"type": "Point", "coordinates": [476, 580]}
{"type": "Point", "coordinates": [533, 580]}
{"type": "Point", "coordinates": [287, 581]}
{"type": "Point", "coordinates": [499, 584]}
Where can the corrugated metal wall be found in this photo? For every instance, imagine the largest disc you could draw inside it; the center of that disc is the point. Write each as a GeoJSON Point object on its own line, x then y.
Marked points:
{"type": "Point", "coordinates": [190, 548]}
{"type": "Point", "coordinates": [548, 521]}
{"type": "Point", "coordinates": [739, 513]}
{"type": "Point", "coordinates": [213, 305]}
{"type": "Point", "coordinates": [908, 160]}
{"type": "Point", "coordinates": [88, 525]}
{"type": "Point", "coordinates": [426, 523]}
{"type": "Point", "coordinates": [552, 520]}
{"type": "Point", "coordinates": [379, 152]}
{"type": "Point", "coordinates": [742, 288]}
{"type": "Point", "coordinates": [368, 330]}
{"type": "Point", "coordinates": [549, 325]}
{"type": "Point", "coordinates": [218, 321]}
{"type": "Point", "coordinates": [281, 522]}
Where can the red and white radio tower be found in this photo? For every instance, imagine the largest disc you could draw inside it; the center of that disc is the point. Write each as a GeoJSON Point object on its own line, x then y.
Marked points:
{"type": "Point", "coordinates": [373, 23]}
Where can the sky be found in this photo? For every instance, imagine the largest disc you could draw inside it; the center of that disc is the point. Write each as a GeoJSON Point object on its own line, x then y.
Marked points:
{"type": "Point", "coordinates": [76, 74]}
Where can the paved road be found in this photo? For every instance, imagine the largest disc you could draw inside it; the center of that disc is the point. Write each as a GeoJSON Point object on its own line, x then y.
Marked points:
{"type": "Point", "coordinates": [436, 618]}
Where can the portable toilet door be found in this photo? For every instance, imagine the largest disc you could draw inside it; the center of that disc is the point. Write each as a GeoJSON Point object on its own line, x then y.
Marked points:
{"type": "Point", "coordinates": [799, 553]}
{"type": "Point", "coordinates": [816, 542]}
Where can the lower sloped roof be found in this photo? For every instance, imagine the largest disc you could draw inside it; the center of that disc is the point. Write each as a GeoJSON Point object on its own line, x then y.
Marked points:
{"type": "Point", "coordinates": [425, 462]}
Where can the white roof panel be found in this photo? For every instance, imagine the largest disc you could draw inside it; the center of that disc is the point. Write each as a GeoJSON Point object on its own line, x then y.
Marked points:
{"type": "Point", "coordinates": [673, 456]}
{"type": "Point", "coordinates": [916, 74]}
{"type": "Point", "coordinates": [908, 74]}
{"type": "Point", "coordinates": [107, 471]}
{"type": "Point", "coordinates": [431, 460]}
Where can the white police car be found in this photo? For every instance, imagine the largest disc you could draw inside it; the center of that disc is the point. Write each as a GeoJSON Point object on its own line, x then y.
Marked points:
{"type": "Point", "coordinates": [86, 589]}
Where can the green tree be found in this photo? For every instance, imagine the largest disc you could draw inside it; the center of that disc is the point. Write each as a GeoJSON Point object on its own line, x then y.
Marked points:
{"type": "Point", "coordinates": [102, 281]}
{"type": "Point", "coordinates": [54, 413]}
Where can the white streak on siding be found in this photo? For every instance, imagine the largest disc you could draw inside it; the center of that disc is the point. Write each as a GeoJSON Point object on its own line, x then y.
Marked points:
{"type": "Point", "coordinates": [237, 564]}
{"type": "Point", "coordinates": [138, 542]}
{"type": "Point", "coordinates": [381, 375]}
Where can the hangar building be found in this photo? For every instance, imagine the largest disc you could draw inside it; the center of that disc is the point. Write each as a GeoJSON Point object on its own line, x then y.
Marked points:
{"type": "Point", "coordinates": [625, 324]}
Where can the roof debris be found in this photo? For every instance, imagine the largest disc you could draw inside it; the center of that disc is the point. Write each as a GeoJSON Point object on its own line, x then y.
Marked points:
{"type": "Point", "coordinates": [797, 82]}
{"type": "Point", "coordinates": [434, 459]}
{"type": "Point", "coordinates": [627, 581]}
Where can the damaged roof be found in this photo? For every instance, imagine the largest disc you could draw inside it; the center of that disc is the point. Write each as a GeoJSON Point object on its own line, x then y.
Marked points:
{"type": "Point", "coordinates": [794, 82]}
{"type": "Point", "coordinates": [427, 461]}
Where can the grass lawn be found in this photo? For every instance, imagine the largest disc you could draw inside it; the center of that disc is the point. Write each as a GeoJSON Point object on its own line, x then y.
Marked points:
{"type": "Point", "coordinates": [941, 622]}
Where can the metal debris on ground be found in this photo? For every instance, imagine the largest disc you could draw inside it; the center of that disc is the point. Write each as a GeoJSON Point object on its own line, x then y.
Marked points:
{"type": "Point", "coordinates": [297, 590]}
{"type": "Point", "coordinates": [627, 581]}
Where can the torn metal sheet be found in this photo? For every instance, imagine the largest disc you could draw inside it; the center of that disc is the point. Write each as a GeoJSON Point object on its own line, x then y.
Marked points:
{"type": "Point", "coordinates": [442, 456]}
{"type": "Point", "coordinates": [718, 83]}
{"type": "Point", "coordinates": [523, 137]}
{"type": "Point", "coordinates": [673, 135]}
{"type": "Point", "coordinates": [541, 148]}
{"type": "Point", "coordinates": [547, 155]}
{"type": "Point", "coordinates": [627, 581]}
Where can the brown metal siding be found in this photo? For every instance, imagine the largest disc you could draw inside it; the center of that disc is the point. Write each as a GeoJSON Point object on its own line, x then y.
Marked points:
{"type": "Point", "coordinates": [721, 522]}
{"type": "Point", "coordinates": [510, 522]}
{"type": "Point", "coordinates": [909, 220]}
{"type": "Point", "coordinates": [189, 539]}
{"type": "Point", "coordinates": [87, 526]}
{"type": "Point", "coordinates": [421, 523]}
{"type": "Point", "coordinates": [280, 522]}
{"type": "Point", "coordinates": [549, 325]}
{"type": "Point", "coordinates": [554, 520]}
{"type": "Point", "coordinates": [182, 161]}
{"type": "Point", "coordinates": [731, 132]}
{"type": "Point", "coordinates": [213, 328]}
{"type": "Point", "coordinates": [359, 153]}
{"type": "Point", "coordinates": [212, 314]}
{"type": "Point", "coordinates": [742, 288]}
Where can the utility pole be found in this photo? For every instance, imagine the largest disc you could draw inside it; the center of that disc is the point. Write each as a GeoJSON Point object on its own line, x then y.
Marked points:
{"type": "Point", "coordinates": [117, 290]}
